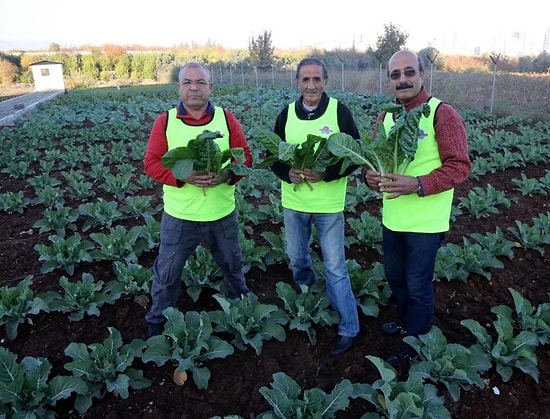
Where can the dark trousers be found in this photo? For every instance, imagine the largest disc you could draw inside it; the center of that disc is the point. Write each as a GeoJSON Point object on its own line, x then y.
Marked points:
{"type": "Point", "coordinates": [409, 262]}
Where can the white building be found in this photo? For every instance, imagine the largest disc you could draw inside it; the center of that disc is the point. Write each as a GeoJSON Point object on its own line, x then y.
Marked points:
{"type": "Point", "coordinates": [48, 75]}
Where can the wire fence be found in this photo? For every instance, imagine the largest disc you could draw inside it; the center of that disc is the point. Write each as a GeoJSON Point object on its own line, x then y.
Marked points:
{"type": "Point", "coordinates": [505, 94]}
{"type": "Point", "coordinates": [357, 81]}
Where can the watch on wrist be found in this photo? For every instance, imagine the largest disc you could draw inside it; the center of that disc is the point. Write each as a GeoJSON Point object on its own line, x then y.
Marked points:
{"type": "Point", "coordinates": [420, 189]}
{"type": "Point", "coordinates": [230, 178]}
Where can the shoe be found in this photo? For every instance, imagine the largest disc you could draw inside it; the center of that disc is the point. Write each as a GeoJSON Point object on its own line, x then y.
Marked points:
{"type": "Point", "coordinates": [404, 354]}
{"type": "Point", "coordinates": [342, 344]}
{"type": "Point", "coordinates": [393, 328]}
{"type": "Point", "coordinates": [155, 329]}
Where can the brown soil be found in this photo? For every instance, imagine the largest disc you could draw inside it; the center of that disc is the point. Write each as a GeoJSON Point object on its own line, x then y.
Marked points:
{"type": "Point", "coordinates": [235, 381]}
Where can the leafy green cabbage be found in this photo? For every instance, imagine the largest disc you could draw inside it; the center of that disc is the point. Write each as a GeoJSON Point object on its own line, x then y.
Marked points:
{"type": "Point", "coordinates": [389, 153]}
{"type": "Point", "coordinates": [202, 154]}
{"type": "Point", "coordinates": [311, 154]}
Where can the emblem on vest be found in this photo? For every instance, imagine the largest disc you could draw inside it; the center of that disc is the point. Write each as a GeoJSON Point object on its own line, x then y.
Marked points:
{"type": "Point", "coordinates": [325, 130]}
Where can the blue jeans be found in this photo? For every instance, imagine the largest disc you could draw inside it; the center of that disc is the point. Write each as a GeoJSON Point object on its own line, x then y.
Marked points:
{"type": "Point", "coordinates": [178, 240]}
{"type": "Point", "coordinates": [409, 262]}
{"type": "Point", "coordinates": [330, 227]}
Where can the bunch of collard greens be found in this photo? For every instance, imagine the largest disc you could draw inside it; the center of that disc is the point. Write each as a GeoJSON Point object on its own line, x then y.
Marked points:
{"type": "Point", "coordinates": [203, 155]}
{"type": "Point", "coordinates": [389, 153]}
{"type": "Point", "coordinates": [311, 154]}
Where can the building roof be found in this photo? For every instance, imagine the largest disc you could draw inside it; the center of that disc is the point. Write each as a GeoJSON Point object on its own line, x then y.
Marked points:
{"type": "Point", "coordinates": [45, 62]}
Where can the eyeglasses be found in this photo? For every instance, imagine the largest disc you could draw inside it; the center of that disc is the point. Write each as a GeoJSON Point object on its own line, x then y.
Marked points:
{"type": "Point", "coordinates": [199, 83]}
{"type": "Point", "coordinates": [409, 72]}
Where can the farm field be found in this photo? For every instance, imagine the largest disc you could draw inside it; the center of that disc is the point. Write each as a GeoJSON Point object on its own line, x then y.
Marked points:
{"type": "Point", "coordinates": [93, 143]}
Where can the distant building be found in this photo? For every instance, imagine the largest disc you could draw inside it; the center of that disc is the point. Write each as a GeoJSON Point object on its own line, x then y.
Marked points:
{"type": "Point", "coordinates": [48, 75]}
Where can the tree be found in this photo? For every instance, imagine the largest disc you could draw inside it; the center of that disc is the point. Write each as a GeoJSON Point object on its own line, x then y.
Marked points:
{"type": "Point", "coordinates": [90, 66]}
{"type": "Point", "coordinates": [261, 51]}
{"type": "Point", "coordinates": [391, 41]}
{"type": "Point", "coordinates": [54, 47]}
{"type": "Point", "coordinates": [430, 56]}
{"type": "Point", "coordinates": [8, 71]}
{"type": "Point", "coordinates": [541, 63]}
{"type": "Point", "coordinates": [122, 67]}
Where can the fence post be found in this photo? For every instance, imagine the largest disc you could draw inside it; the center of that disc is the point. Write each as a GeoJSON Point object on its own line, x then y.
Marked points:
{"type": "Point", "coordinates": [342, 60]}
{"type": "Point", "coordinates": [432, 61]}
{"type": "Point", "coordinates": [495, 62]}
{"type": "Point", "coordinates": [379, 73]}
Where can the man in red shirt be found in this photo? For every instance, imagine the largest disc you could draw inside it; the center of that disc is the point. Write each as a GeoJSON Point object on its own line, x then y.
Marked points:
{"type": "Point", "coordinates": [417, 205]}
{"type": "Point", "coordinates": [192, 213]}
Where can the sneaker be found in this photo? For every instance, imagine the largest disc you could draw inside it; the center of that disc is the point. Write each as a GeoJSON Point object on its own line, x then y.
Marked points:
{"type": "Point", "coordinates": [404, 354]}
{"type": "Point", "coordinates": [342, 344]}
{"type": "Point", "coordinates": [393, 328]}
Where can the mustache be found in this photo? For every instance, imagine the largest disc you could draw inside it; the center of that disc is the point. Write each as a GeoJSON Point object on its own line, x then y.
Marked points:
{"type": "Point", "coordinates": [404, 85]}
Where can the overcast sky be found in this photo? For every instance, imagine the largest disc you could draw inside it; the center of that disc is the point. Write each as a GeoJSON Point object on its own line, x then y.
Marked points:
{"type": "Point", "coordinates": [475, 26]}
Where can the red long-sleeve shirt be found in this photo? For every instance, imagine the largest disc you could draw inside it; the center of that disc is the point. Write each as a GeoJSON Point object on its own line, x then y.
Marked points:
{"type": "Point", "coordinates": [158, 144]}
{"type": "Point", "coordinates": [452, 142]}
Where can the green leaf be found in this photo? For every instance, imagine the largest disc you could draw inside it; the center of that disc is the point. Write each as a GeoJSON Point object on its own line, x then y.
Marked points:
{"type": "Point", "coordinates": [200, 376]}
{"type": "Point", "coordinates": [313, 153]}
{"type": "Point", "coordinates": [269, 140]}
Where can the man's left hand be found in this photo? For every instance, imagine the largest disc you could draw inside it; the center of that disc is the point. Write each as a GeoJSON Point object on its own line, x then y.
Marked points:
{"type": "Point", "coordinates": [223, 177]}
{"type": "Point", "coordinates": [312, 176]}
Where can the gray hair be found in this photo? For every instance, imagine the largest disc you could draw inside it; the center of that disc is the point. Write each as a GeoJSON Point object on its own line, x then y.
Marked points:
{"type": "Point", "coordinates": [194, 64]}
{"type": "Point", "coordinates": [310, 61]}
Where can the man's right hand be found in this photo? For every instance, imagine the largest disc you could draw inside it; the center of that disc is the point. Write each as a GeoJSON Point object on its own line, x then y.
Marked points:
{"type": "Point", "coordinates": [372, 178]}
{"type": "Point", "coordinates": [296, 175]}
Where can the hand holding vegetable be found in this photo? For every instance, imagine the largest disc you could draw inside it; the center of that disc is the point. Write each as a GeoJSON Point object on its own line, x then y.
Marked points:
{"type": "Point", "coordinates": [201, 162]}
{"type": "Point", "coordinates": [305, 175]}
{"type": "Point", "coordinates": [225, 176]}
{"type": "Point", "coordinates": [372, 178]}
{"type": "Point", "coordinates": [201, 180]}
{"type": "Point", "coordinates": [209, 179]}
{"type": "Point", "coordinates": [397, 185]}
{"type": "Point", "coordinates": [308, 160]}
{"type": "Point", "coordinates": [392, 152]}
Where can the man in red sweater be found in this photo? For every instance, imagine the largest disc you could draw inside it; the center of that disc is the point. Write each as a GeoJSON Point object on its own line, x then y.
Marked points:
{"type": "Point", "coordinates": [193, 214]}
{"type": "Point", "coordinates": [416, 206]}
